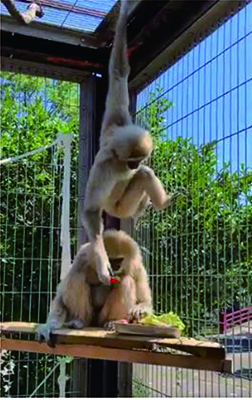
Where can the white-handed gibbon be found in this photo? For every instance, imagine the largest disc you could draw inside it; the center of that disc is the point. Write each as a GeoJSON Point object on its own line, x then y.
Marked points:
{"type": "Point", "coordinates": [81, 299]}
{"type": "Point", "coordinates": [118, 182]}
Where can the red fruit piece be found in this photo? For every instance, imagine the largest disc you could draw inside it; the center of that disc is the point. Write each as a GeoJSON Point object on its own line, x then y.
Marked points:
{"type": "Point", "coordinates": [114, 281]}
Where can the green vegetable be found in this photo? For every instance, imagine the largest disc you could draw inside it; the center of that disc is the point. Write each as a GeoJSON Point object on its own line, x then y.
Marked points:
{"type": "Point", "coordinates": [163, 320]}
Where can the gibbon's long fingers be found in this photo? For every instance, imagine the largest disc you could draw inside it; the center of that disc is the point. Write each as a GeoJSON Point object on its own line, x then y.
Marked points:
{"type": "Point", "coordinates": [109, 326]}
{"type": "Point", "coordinates": [138, 311]}
{"type": "Point", "coordinates": [45, 332]}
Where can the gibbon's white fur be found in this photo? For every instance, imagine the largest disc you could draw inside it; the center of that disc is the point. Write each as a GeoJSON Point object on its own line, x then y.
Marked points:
{"type": "Point", "coordinates": [81, 300]}
{"type": "Point", "coordinates": [118, 182]}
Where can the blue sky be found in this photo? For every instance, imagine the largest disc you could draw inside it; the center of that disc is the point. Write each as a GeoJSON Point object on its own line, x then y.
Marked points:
{"type": "Point", "coordinates": [211, 88]}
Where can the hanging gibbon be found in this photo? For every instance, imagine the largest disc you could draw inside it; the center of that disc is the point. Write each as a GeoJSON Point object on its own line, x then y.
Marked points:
{"type": "Point", "coordinates": [81, 299]}
{"type": "Point", "coordinates": [118, 182]}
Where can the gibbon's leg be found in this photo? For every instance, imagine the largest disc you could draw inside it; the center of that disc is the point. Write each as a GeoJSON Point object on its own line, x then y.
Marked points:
{"type": "Point", "coordinates": [119, 303]}
{"type": "Point", "coordinates": [56, 320]}
{"type": "Point", "coordinates": [144, 181]}
{"type": "Point", "coordinates": [77, 324]}
{"type": "Point", "coordinates": [77, 298]}
{"type": "Point", "coordinates": [144, 203]}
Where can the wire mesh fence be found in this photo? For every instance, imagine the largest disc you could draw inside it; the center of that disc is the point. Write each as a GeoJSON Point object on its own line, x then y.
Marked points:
{"type": "Point", "coordinates": [198, 252]}
{"type": "Point", "coordinates": [71, 14]}
{"type": "Point", "coordinates": [33, 112]}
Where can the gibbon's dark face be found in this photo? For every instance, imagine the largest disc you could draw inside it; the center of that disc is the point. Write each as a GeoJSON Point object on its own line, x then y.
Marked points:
{"type": "Point", "coordinates": [116, 263]}
{"type": "Point", "coordinates": [134, 164]}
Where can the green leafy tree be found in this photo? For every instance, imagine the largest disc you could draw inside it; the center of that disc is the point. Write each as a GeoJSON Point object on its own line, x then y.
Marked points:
{"type": "Point", "coordinates": [201, 247]}
{"type": "Point", "coordinates": [34, 111]}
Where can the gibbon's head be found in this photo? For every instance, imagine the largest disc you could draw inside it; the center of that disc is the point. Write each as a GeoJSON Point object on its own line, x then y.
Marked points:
{"type": "Point", "coordinates": [121, 249]}
{"type": "Point", "coordinates": [132, 144]}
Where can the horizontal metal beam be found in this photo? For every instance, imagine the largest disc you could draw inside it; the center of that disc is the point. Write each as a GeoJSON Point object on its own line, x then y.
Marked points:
{"type": "Point", "coordinates": [57, 54]}
{"type": "Point", "coordinates": [172, 19]}
{"type": "Point", "coordinates": [49, 32]}
{"type": "Point", "coordinates": [179, 42]}
{"type": "Point", "coordinates": [40, 69]}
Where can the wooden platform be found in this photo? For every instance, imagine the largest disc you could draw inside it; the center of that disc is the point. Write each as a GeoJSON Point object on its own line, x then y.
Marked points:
{"type": "Point", "coordinates": [100, 344]}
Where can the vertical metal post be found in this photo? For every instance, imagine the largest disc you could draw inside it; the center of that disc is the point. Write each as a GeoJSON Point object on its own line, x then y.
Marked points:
{"type": "Point", "coordinates": [107, 371]}
{"type": "Point", "coordinates": [95, 378]}
{"type": "Point", "coordinates": [124, 379]}
{"type": "Point", "coordinates": [86, 155]}
{"type": "Point", "coordinates": [86, 146]}
{"type": "Point", "coordinates": [125, 370]}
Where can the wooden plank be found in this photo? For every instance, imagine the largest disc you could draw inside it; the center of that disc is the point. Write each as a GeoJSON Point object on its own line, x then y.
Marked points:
{"type": "Point", "coordinates": [99, 337]}
{"type": "Point", "coordinates": [131, 356]}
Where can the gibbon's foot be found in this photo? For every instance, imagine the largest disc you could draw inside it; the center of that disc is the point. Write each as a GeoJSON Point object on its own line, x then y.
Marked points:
{"type": "Point", "coordinates": [138, 312]}
{"type": "Point", "coordinates": [109, 326]}
{"type": "Point", "coordinates": [76, 324]}
{"type": "Point", "coordinates": [44, 332]}
{"type": "Point", "coordinates": [170, 200]}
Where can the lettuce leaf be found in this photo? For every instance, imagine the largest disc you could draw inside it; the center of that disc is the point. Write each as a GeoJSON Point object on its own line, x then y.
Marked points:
{"type": "Point", "coordinates": [170, 319]}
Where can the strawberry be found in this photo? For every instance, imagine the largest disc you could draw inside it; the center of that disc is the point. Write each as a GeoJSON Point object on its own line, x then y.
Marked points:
{"type": "Point", "coordinates": [114, 282]}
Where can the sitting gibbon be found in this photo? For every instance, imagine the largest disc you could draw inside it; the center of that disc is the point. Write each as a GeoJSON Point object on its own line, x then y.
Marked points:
{"type": "Point", "coordinates": [118, 182]}
{"type": "Point", "coordinates": [81, 299]}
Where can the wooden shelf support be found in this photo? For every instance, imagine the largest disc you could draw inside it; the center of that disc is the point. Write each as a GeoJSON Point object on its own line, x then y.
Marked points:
{"type": "Point", "coordinates": [99, 344]}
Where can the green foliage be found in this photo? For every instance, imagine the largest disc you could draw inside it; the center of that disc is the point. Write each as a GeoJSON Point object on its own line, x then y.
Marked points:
{"type": "Point", "coordinates": [201, 247]}
{"type": "Point", "coordinates": [139, 389]}
{"type": "Point", "coordinates": [34, 111]}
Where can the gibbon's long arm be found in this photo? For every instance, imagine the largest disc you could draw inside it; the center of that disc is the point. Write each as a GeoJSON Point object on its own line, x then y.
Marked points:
{"type": "Point", "coordinates": [143, 291]}
{"type": "Point", "coordinates": [117, 102]}
{"type": "Point", "coordinates": [97, 189]}
{"type": "Point", "coordinates": [33, 10]}
{"type": "Point", "coordinates": [92, 218]}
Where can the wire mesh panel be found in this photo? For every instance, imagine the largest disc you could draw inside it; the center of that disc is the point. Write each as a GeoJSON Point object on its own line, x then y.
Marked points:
{"type": "Point", "coordinates": [198, 252]}
{"type": "Point", "coordinates": [72, 14]}
{"type": "Point", "coordinates": [33, 112]}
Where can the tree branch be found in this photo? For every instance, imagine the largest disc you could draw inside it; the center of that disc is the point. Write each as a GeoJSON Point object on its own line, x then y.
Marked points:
{"type": "Point", "coordinates": [33, 10]}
